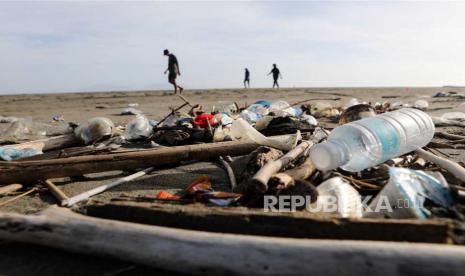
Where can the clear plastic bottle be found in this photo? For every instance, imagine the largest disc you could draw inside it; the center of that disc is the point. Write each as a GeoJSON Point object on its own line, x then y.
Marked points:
{"type": "Point", "coordinates": [371, 141]}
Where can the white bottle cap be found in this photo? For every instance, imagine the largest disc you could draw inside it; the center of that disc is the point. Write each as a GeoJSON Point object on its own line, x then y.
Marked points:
{"type": "Point", "coordinates": [328, 156]}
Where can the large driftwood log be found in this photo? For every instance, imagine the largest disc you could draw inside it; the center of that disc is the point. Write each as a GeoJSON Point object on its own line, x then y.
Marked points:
{"type": "Point", "coordinates": [220, 254]}
{"type": "Point", "coordinates": [284, 224]}
{"type": "Point", "coordinates": [27, 171]}
{"type": "Point", "coordinates": [261, 178]}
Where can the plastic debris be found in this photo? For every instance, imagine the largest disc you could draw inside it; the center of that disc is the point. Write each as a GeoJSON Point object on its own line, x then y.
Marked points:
{"type": "Point", "coordinates": [421, 104]}
{"type": "Point", "coordinates": [7, 120]}
{"type": "Point", "coordinates": [94, 130]}
{"type": "Point", "coordinates": [133, 104]}
{"type": "Point", "coordinates": [138, 128]}
{"type": "Point", "coordinates": [406, 194]}
{"type": "Point", "coordinates": [371, 141]}
{"type": "Point", "coordinates": [242, 130]}
{"type": "Point", "coordinates": [131, 111]}
{"type": "Point", "coordinates": [9, 154]}
{"type": "Point", "coordinates": [336, 196]}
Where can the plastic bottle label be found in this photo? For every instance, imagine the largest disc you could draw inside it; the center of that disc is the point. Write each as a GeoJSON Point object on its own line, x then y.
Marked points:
{"type": "Point", "coordinates": [386, 134]}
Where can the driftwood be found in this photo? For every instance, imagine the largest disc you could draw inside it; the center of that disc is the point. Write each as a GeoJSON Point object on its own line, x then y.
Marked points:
{"type": "Point", "coordinates": [100, 189]}
{"type": "Point", "coordinates": [287, 178]}
{"type": "Point", "coordinates": [261, 178]}
{"type": "Point", "coordinates": [450, 166]}
{"type": "Point", "coordinates": [230, 172]}
{"type": "Point", "coordinates": [57, 142]}
{"type": "Point", "coordinates": [10, 188]}
{"type": "Point", "coordinates": [28, 171]}
{"type": "Point", "coordinates": [3, 203]}
{"type": "Point", "coordinates": [206, 253]}
{"type": "Point", "coordinates": [239, 220]}
{"type": "Point", "coordinates": [450, 136]}
{"type": "Point", "coordinates": [438, 121]}
{"type": "Point", "coordinates": [57, 192]}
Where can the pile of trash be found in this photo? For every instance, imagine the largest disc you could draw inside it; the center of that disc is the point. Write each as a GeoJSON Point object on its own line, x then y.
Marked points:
{"type": "Point", "coordinates": [371, 164]}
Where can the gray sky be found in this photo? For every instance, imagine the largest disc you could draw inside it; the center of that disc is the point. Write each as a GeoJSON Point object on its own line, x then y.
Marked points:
{"type": "Point", "coordinates": [100, 46]}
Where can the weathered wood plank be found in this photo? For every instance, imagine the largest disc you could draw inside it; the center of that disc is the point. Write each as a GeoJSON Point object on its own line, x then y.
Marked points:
{"type": "Point", "coordinates": [257, 222]}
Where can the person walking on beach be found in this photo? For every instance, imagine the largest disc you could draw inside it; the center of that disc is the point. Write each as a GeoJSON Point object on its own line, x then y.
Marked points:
{"type": "Point", "coordinates": [276, 75]}
{"type": "Point", "coordinates": [173, 69]}
{"type": "Point", "coordinates": [247, 78]}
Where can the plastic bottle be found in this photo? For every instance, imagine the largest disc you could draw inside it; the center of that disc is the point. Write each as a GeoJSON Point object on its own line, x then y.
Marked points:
{"type": "Point", "coordinates": [371, 141]}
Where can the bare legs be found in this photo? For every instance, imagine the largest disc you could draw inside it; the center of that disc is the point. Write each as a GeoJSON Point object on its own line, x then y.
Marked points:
{"type": "Point", "coordinates": [173, 82]}
{"type": "Point", "coordinates": [275, 83]}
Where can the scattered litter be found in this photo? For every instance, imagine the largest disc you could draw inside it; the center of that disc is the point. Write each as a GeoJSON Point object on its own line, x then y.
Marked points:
{"type": "Point", "coordinates": [336, 196]}
{"type": "Point", "coordinates": [138, 128]}
{"type": "Point", "coordinates": [421, 104]}
{"type": "Point", "coordinates": [9, 154]}
{"type": "Point", "coordinates": [407, 193]}
{"type": "Point", "coordinates": [131, 111]}
{"type": "Point", "coordinates": [58, 118]}
{"type": "Point", "coordinates": [94, 130]}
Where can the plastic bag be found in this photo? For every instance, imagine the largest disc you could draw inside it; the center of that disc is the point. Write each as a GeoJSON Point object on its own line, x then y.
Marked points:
{"type": "Point", "coordinates": [138, 128]}
{"type": "Point", "coordinates": [94, 130]}
{"type": "Point", "coordinates": [406, 192]}
{"type": "Point", "coordinates": [9, 154]}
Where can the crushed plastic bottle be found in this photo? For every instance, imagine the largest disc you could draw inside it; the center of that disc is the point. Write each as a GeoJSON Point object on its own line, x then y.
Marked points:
{"type": "Point", "coordinates": [371, 141]}
{"type": "Point", "coordinates": [336, 196]}
{"type": "Point", "coordinates": [406, 192]}
{"type": "Point", "coordinates": [9, 154]}
{"type": "Point", "coordinates": [138, 128]}
{"type": "Point", "coordinates": [94, 130]}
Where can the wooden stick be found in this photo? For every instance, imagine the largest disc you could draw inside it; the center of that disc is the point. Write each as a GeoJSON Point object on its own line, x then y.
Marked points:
{"type": "Point", "coordinates": [261, 178]}
{"type": "Point", "coordinates": [100, 189]}
{"type": "Point", "coordinates": [10, 188]}
{"type": "Point", "coordinates": [57, 192]}
{"type": "Point", "coordinates": [171, 113]}
{"type": "Point", "coordinates": [28, 171]}
{"type": "Point", "coordinates": [17, 197]}
{"type": "Point", "coordinates": [230, 172]}
{"type": "Point", "coordinates": [220, 254]}
{"type": "Point", "coordinates": [450, 166]}
{"type": "Point", "coordinates": [184, 99]}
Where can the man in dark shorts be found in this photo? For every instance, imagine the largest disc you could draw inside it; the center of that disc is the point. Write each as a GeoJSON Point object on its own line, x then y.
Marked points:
{"type": "Point", "coordinates": [276, 75]}
{"type": "Point", "coordinates": [247, 78]}
{"type": "Point", "coordinates": [173, 69]}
